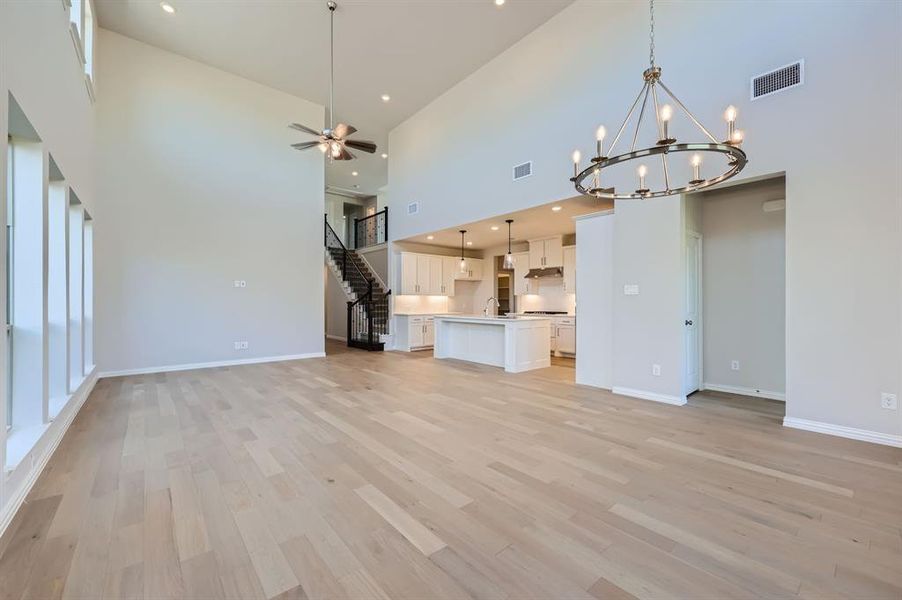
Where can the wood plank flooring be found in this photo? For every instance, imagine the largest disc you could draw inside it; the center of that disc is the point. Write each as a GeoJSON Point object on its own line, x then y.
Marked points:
{"type": "Point", "coordinates": [389, 475]}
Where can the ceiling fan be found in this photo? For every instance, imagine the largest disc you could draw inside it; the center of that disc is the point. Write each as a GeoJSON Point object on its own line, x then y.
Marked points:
{"type": "Point", "coordinates": [333, 140]}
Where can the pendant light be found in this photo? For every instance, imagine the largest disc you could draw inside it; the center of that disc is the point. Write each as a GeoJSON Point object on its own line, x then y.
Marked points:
{"type": "Point", "coordinates": [509, 258]}
{"type": "Point", "coordinates": [463, 260]}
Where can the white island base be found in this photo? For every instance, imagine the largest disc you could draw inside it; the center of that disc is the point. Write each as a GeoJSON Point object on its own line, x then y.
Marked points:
{"type": "Point", "coordinates": [518, 345]}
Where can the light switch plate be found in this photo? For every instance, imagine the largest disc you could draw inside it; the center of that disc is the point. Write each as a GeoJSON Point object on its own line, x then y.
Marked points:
{"type": "Point", "coordinates": [656, 370]}
{"type": "Point", "coordinates": [735, 365]}
{"type": "Point", "coordinates": [631, 289]}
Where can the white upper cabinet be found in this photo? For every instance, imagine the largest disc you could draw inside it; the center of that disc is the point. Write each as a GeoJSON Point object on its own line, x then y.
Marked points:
{"type": "Point", "coordinates": [473, 271]}
{"type": "Point", "coordinates": [433, 275]}
{"type": "Point", "coordinates": [522, 285]}
{"type": "Point", "coordinates": [546, 252]}
{"type": "Point", "coordinates": [570, 269]}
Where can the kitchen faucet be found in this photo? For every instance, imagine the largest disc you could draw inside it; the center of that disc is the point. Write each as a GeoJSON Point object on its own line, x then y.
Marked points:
{"type": "Point", "coordinates": [485, 310]}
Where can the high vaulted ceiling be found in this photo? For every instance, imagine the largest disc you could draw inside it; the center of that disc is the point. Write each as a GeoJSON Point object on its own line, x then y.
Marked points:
{"type": "Point", "coordinates": [412, 50]}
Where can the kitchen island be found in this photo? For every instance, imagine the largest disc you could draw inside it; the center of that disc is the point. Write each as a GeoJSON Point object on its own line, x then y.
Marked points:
{"type": "Point", "coordinates": [515, 343]}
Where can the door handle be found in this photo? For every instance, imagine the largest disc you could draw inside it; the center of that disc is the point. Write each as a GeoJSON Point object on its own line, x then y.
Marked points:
{"type": "Point", "coordinates": [688, 323]}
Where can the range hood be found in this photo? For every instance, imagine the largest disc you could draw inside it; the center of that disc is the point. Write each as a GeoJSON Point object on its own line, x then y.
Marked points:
{"type": "Point", "coordinates": [546, 272]}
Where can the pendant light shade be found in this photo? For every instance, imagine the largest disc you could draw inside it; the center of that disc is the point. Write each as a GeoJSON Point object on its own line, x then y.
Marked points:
{"type": "Point", "coordinates": [509, 258]}
{"type": "Point", "coordinates": [463, 260]}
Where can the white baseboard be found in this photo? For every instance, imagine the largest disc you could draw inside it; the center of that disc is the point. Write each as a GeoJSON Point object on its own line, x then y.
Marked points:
{"type": "Point", "coordinates": [64, 419]}
{"type": "Point", "coordinates": [744, 391]}
{"type": "Point", "coordinates": [211, 365]}
{"type": "Point", "coordinates": [337, 338]}
{"type": "Point", "coordinates": [654, 396]}
{"type": "Point", "coordinates": [865, 435]}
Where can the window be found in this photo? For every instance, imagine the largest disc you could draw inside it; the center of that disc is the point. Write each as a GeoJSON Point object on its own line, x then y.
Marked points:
{"type": "Point", "coordinates": [88, 293]}
{"type": "Point", "coordinates": [82, 26]}
{"type": "Point", "coordinates": [9, 286]}
{"type": "Point", "coordinates": [76, 298]}
{"type": "Point", "coordinates": [57, 275]}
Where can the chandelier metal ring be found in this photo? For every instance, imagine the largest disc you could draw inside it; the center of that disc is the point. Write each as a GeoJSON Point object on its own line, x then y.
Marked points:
{"type": "Point", "coordinates": [736, 161]}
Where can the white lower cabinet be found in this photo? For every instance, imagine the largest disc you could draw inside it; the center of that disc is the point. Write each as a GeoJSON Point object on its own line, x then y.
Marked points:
{"type": "Point", "coordinates": [414, 332]}
{"type": "Point", "coordinates": [563, 335]}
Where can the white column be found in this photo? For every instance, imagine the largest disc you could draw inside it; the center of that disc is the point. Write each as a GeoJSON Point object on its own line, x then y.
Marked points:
{"type": "Point", "coordinates": [57, 298]}
{"type": "Point", "coordinates": [29, 263]}
{"type": "Point", "coordinates": [76, 300]}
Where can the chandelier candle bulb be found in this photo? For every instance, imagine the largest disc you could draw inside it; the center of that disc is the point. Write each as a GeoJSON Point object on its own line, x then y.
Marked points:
{"type": "Point", "coordinates": [599, 140]}
{"type": "Point", "coordinates": [730, 116]}
{"type": "Point", "coordinates": [576, 157]}
{"type": "Point", "coordinates": [736, 137]}
{"type": "Point", "coordinates": [696, 169]}
{"type": "Point", "coordinates": [642, 171]}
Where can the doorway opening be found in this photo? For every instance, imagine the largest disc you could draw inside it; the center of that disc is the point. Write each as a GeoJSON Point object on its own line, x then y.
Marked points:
{"type": "Point", "coordinates": [735, 297]}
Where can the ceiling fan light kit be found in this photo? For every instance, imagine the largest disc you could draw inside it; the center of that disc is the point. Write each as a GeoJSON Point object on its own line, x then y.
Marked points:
{"type": "Point", "coordinates": [588, 181]}
{"type": "Point", "coordinates": [333, 141]}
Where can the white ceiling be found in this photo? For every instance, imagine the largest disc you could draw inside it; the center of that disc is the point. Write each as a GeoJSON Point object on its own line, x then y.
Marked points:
{"type": "Point", "coordinates": [413, 50]}
{"type": "Point", "coordinates": [531, 223]}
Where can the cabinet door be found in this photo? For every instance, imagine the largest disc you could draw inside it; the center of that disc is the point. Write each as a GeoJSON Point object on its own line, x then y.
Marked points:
{"type": "Point", "coordinates": [566, 339]}
{"type": "Point", "coordinates": [435, 276]}
{"type": "Point", "coordinates": [536, 254]}
{"type": "Point", "coordinates": [415, 332]}
{"type": "Point", "coordinates": [450, 268]}
{"type": "Point", "coordinates": [476, 268]}
{"type": "Point", "coordinates": [408, 273]}
{"type": "Point", "coordinates": [423, 264]}
{"type": "Point", "coordinates": [428, 332]}
{"type": "Point", "coordinates": [554, 252]}
{"type": "Point", "coordinates": [570, 270]}
{"type": "Point", "coordinates": [521, 267]}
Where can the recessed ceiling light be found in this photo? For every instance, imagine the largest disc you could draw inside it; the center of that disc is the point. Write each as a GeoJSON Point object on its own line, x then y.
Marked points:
{"type": "Point", "coordinates": [556, 208]}
{"type": "Point", "coordinates": [384, 155]}
{"type": "Point", "coordinates": [354, 173]}
{"type": "Point", "coordinates": [167, 7]}
{"type": "Point", "coordinates": [386, 97]}
{"type": "Point", "coordinates": [430, 237]}
{"type": "Point", "coordinates": [499, 2]}
{"type": "Point", "coordinates": [494, 228]}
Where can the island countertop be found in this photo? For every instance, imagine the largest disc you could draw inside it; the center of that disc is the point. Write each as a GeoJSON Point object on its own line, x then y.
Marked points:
{"type": "Point", "coordinates": [490, 319]}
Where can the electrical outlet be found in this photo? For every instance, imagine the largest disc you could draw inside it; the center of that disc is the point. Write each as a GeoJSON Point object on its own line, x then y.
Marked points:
{"type": "Point", "coordinates": [656, 370]}
{"type": "Point", "coordinates": [735, 365]}
{"type": "Point", "coordinates": [888, 401]}
{"type": "Point", "coordinates": [240, 345]}
{"type": "Point", "coordinates": [240, 283]}
{"type": "Point", "coordinates": [244, 345]}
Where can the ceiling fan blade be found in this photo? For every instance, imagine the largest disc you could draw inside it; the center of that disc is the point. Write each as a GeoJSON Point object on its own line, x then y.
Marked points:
{"type": "Point", "coordinates": [305, 145]}
{"type": "Point", "coordinates": [344, 155]}
{"type": "Point", "coordinates": [364, 145]}
{"type": "Point", "coordinates": [343, 130]}
{"type": "Point", "coordinates": [304, 128]}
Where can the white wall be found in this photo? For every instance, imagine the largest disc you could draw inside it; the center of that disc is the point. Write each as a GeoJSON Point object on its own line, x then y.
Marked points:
{"type": "Point", "coordinates": [563, 77]}
{"type": "Point", "coordinates": [744, 287]}
{"type": "Point", "coordinates": [595, 297]}
{"type": "Point", "coordinates": [38, 66]}
{"type": "Point", "coordinates": [198, 187]}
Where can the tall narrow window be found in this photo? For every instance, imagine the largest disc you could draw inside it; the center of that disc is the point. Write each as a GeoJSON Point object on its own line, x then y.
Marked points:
{"type": "Point", "coordinates": [76, 306]}
{"type": "Point", "coordinates": [9, 286]}
{"type": "Point", "coordinates": [27, 313]}
{"type": "Point", "coordinates": [57, 299]}
{"type": "Point", "coordinates": [88, 39]}
{"type": "Point", "coordinates": [88, 293]}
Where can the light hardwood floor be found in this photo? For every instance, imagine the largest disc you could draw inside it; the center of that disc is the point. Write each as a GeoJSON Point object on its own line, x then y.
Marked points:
{"type": "Point", "coordinates": [385, 475]}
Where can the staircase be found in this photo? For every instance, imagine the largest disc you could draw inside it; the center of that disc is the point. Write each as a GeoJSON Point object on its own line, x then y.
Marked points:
{"type": "Point", "coordinates": [368, 306]}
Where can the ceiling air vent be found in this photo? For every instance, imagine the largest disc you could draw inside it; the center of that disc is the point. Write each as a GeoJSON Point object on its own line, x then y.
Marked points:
{"type": "Point", "coordinates": [413, 208]}
{"type": "Point", "coordinates": [778, 80]}
{"type": "Point", "coordinates": [524, 170]}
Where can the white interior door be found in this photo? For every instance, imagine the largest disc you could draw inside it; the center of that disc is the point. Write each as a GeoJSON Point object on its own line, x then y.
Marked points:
{"type": "Point", "coordinates": [692, 322]}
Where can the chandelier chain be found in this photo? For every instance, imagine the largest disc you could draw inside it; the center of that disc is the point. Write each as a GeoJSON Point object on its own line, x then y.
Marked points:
{"type": "Point", "coordinates": [651, 32]}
